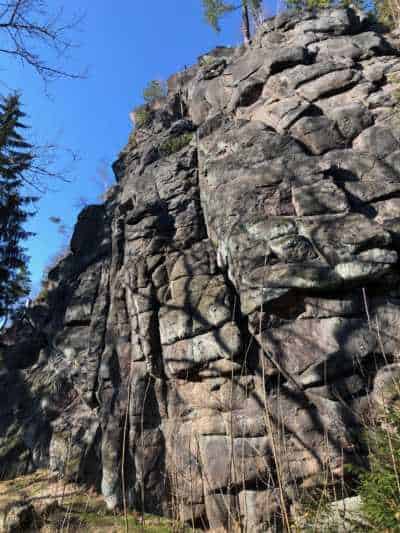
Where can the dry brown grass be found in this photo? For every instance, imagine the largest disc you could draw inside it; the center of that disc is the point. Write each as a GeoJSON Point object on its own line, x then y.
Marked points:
{"type": "Point", "coordinates": [64, 506]}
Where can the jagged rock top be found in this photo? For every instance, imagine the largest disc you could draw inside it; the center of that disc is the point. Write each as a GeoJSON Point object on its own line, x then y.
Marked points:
{"type": "Point", "coordinates": [297, 125]}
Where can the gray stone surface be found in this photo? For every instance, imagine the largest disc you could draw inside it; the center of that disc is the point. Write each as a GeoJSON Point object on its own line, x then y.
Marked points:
{"type": "Point", "coordinates": [351, 119]}
{"type": "Point", "coordinates": [233, 303]}
{"type": "Point", "coordinates": [386, 387]}
{"type": "Point", "coordinates": [318, 199]}
{"type": "Point", "coordinates": [317, 134]}
{"type": "Point", "coordinates": [280, 115]}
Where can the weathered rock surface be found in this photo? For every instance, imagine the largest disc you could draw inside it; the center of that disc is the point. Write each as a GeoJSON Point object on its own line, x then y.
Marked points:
{"type": "Point", "coordinates": [221, 320]}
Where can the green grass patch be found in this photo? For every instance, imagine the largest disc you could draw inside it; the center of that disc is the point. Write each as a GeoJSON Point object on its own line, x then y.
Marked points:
{"type": "Point", "coordinates": [380, 485]}
{"type": "Point", "coordinates": [142, 117]}
{"type": "Point", "coordinates": [101, 520]}
{"type": "Point", "coordinates": [174, 144]}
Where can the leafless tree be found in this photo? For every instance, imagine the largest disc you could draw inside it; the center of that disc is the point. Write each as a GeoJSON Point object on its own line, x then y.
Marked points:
{"type": "Point", "coordinates": [258, 15]}
{"type": "Point", "coordinates": [31, 31]}
{"type": "Point", "coordinates": [45, 170]}
{"type": "Point", "coordinates": [103, 179]}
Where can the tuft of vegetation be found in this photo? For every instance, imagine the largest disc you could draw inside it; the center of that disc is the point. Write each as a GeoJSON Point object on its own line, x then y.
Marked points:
{"type": "Point", "coordinates": [387, 12]}
{"type": "Point", "coordinates": [313, 507]}
{"type": "Point", "coordinates": [142, 117]}
{"type": "Point", "coordinates": [380, 485]}
{"type": "Point", "coordinates": [322, 4]}
{"type": "Point", "coordinates": [174, 144]}
{"type": "Point", "coordinates": [206, 60]}
{"type": "Point", "coordinates": [155, 89]}
{"type": "Point", "coordinates": [143, 114]}
{"type": "Point", "coordinates": [308, 4]}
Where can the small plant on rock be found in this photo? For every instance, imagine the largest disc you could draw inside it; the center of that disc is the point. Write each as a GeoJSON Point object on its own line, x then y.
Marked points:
{"type": "Point", "coordinates": [174, 144]}
{"type": "Point", "coordinates": [380, 485]}
{"type": "Point", "coordinates": [388, 13]}
{"type": "Point", "coordinates": [308, 4]}
{"type": "Point", "coordinates": [155, 89]}
{"type": "Point", "coordinates": [142, 116]}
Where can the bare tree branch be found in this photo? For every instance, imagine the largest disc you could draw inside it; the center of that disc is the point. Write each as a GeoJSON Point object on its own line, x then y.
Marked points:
{"type": "Point", "coordinates": [29, 30]}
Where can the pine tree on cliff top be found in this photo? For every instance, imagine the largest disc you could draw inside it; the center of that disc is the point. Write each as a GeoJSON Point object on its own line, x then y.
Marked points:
{"type": "Point", "coordinates": [15, 159]}
{"type": "Point", "coordinates": [214, 10]}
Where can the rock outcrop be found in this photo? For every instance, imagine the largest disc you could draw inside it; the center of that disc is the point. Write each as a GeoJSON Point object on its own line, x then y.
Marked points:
{"type": "Point", "coordinates": [209, 346]}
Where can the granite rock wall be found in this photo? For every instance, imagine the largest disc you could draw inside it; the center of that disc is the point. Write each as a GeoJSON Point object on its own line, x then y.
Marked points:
{"type": "Point", "coordinates": [229, 319]}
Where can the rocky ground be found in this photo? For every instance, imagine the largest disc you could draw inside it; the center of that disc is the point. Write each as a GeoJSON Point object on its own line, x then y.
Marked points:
{"type": "Point", "coordinates": [228, 321]}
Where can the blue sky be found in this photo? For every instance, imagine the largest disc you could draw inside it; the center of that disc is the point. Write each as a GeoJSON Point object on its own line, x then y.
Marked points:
{"type": "Point", "coordinates": [124, 44]}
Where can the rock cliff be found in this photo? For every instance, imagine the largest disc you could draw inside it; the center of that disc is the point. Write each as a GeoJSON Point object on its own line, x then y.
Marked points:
{"type": "Point", "coordinates": [226, 321]}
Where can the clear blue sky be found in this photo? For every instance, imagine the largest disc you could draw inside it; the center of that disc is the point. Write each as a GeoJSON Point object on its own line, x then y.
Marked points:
{"type": "Point", "coordinates": [124, 44]}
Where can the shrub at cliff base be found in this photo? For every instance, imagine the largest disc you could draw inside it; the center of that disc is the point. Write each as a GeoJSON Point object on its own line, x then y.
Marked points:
{"type": "Point", "coordinates": [380, 485]}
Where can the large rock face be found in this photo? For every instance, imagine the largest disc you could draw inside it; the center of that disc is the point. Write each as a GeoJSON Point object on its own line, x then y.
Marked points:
{"type": "Point", "coordinates": [209, 346]}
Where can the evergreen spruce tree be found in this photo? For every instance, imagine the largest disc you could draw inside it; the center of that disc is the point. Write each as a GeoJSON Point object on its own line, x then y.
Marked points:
{"type": "Point", "coordinates": [16, 159]}
{"type": "Point", "coordinates": [214, 10]}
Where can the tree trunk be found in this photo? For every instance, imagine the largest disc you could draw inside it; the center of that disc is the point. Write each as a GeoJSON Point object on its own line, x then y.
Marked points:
{"type": "Point", "coordinates": [245, 23]}
{"type": "Point", "coordinates": [257, 16]}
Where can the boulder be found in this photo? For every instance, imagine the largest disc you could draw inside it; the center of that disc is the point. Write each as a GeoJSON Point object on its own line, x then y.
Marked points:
{"type": "Point", "coordinates": [386, 391]}
{"type": "Point", "coordinates": [19, 516]}
{"type": "Point", "coordinates": [317, 134]}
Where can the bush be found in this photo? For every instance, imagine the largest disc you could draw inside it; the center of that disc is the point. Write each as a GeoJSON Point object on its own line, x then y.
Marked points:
{"type": "Point", "coordinates": [322, 4]}
{"type": "Point", "coordinates": [380, 485]}
{"type": "Point", "coordinates": [174, 144]}
{"type": "Point", "coordinates": [206, 59]}
{"type": "Point", "coordinates": [388, 13]}
{"type": "Point", "coordinates": [142, 117]}
{"type": "Point", "coordinates": [155, 89]}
